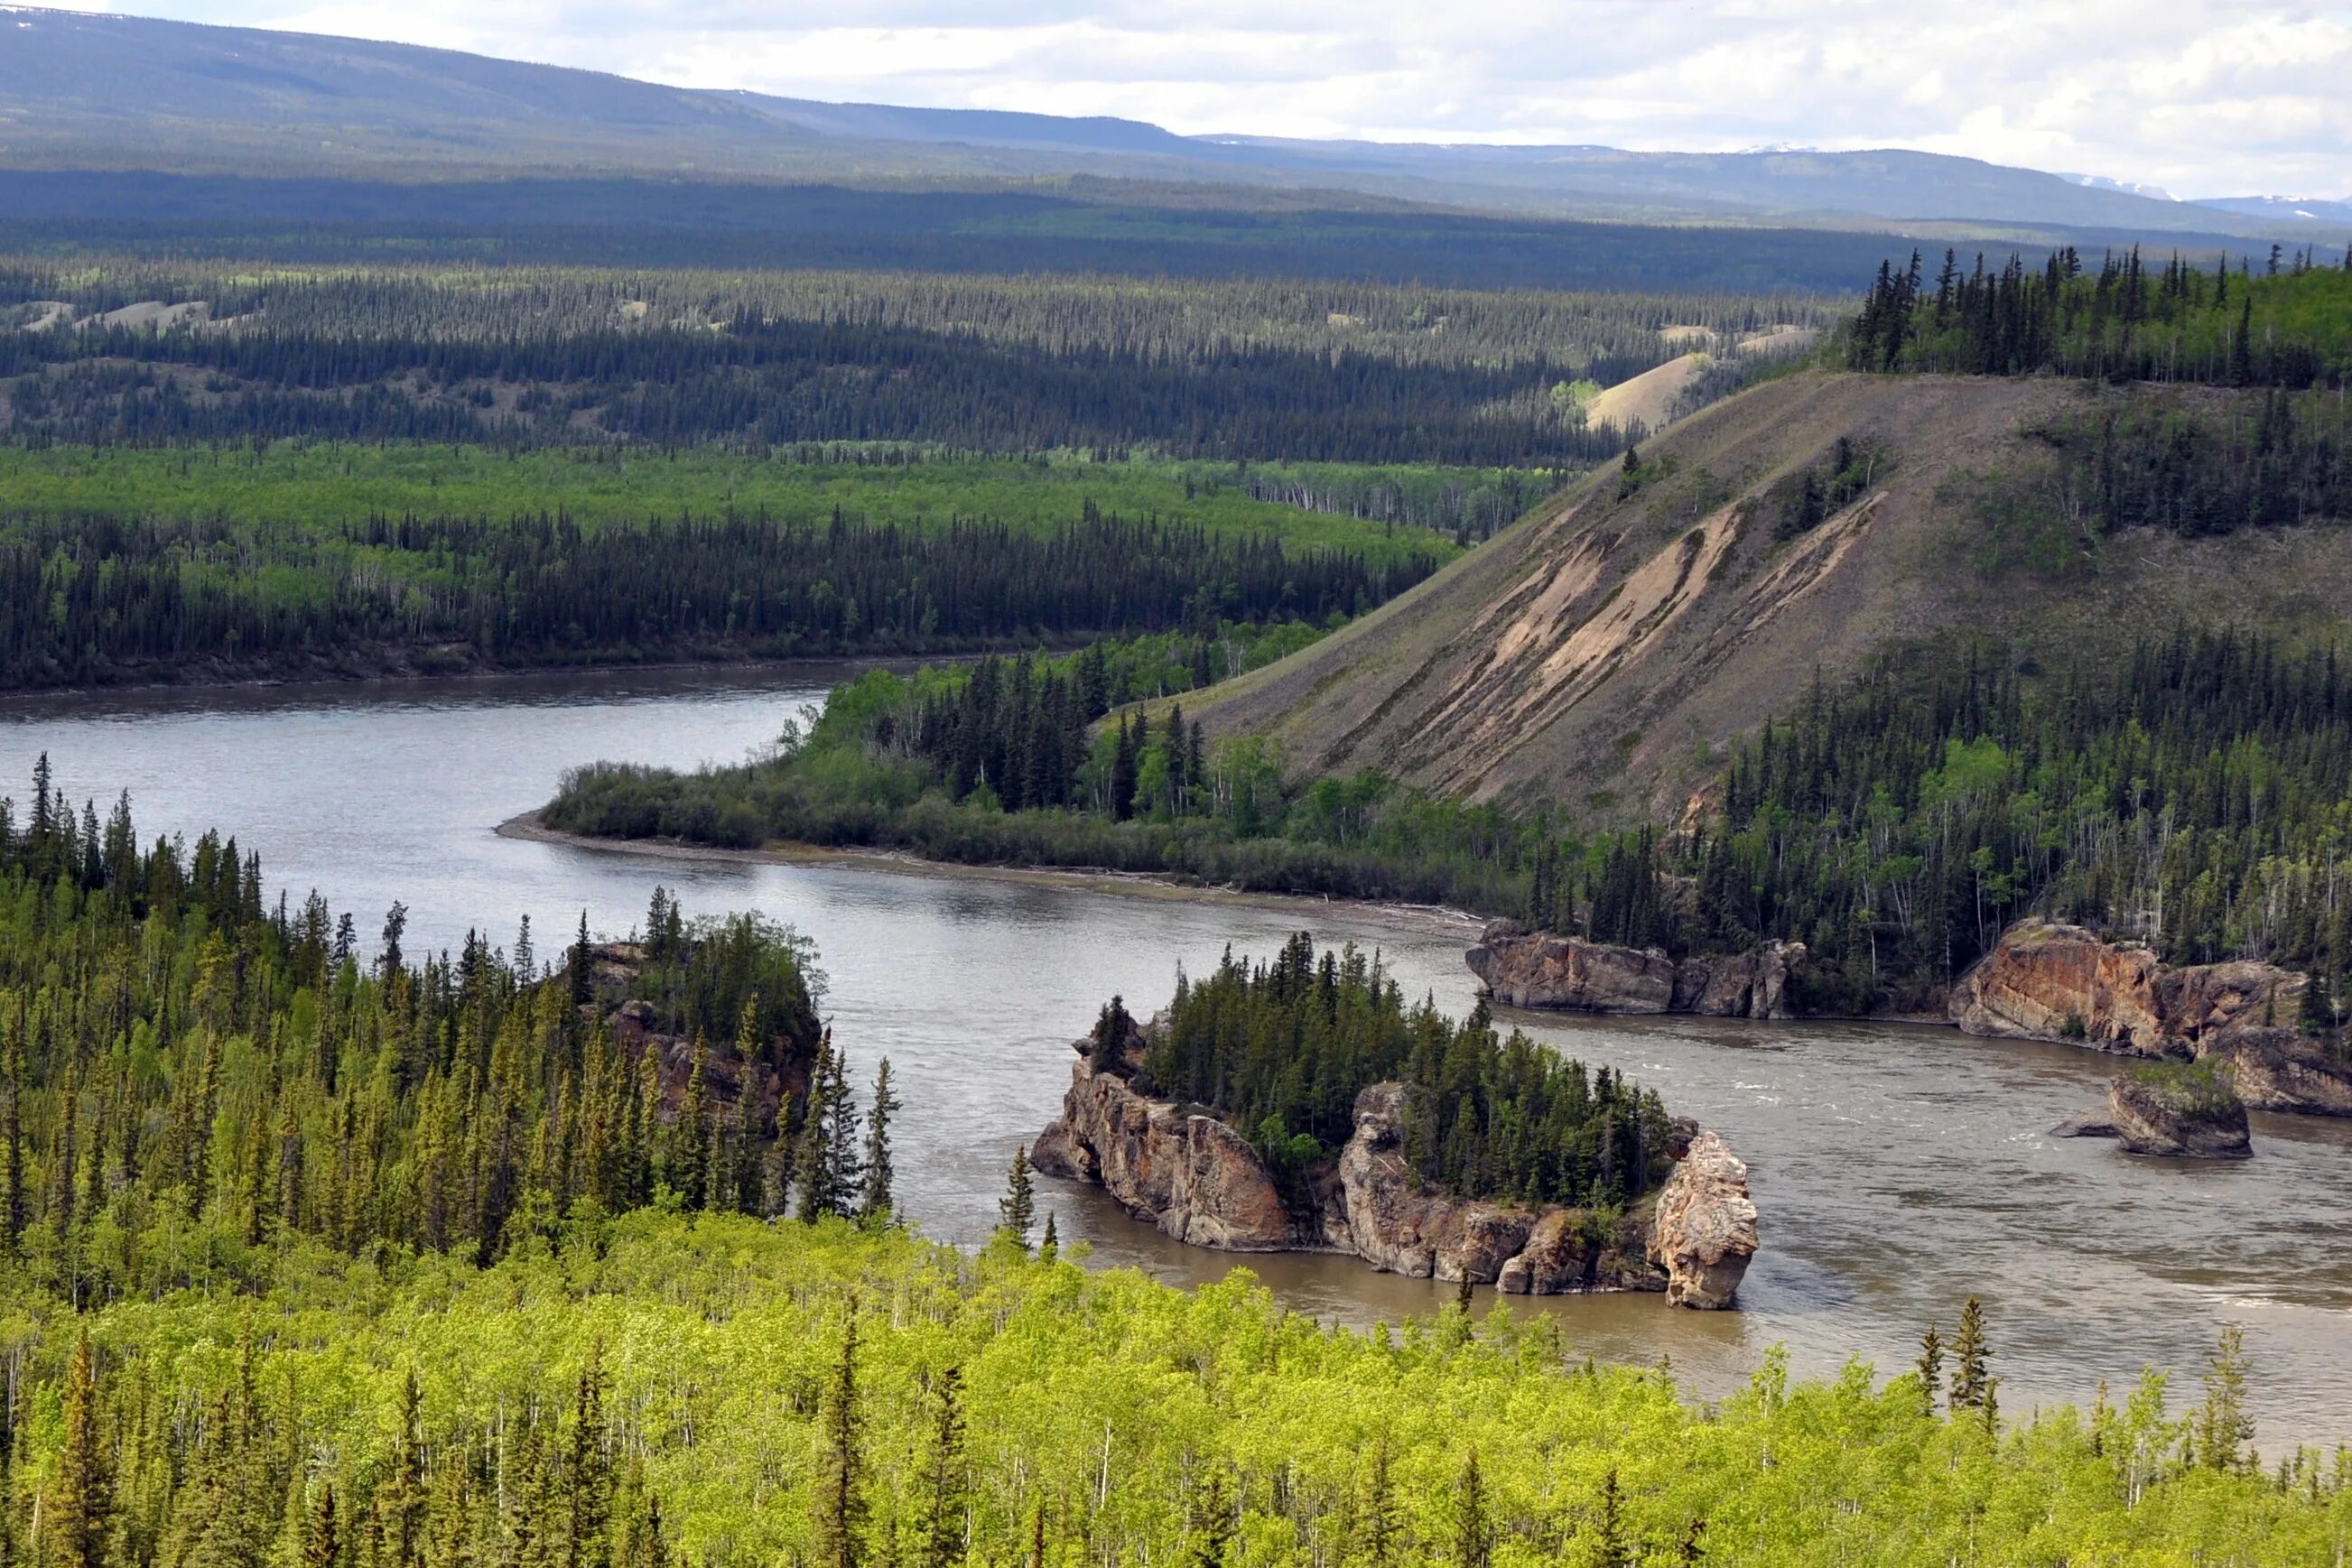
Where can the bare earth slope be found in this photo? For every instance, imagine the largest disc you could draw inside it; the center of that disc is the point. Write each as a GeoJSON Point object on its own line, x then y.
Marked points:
{"type": "Point", "coordinates": [1602, 651]}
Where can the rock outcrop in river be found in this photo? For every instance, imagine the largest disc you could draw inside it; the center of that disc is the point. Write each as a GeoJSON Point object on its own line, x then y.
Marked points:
{"type": "Point", "coordinates": [2152, 1118]}
{"type": "Point", "coordinates": [1185, 1170]}
{"type": "Point", "coordinates": [2062, 983]}
{"type": "Point", "coordinates": [1527, 968]}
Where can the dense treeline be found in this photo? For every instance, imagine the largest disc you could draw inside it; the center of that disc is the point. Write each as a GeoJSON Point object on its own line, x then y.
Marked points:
{"type": "Point", "coordinates": [1282, 1048]}
{"type": "Point", "coordinates": [1332, 371]}
{"type": "Point", "coordinates": [2192, 462]}
{"type": "Point", "coordinates": [776, 383]}
{"type": "Point", "coordinates": [1382, 511]}
{"type": "Point", "coordinates": [2198, 797]}
{"type": "Point", "coordinates": [714, 1391]}
{"type": "Point", "coordinates": [780, 382]}
{"type": "Point", "coordinates": [189, 1076]}
{"type": "Point", "coordinates": [931, 763]}
{"type": "Point", "coordinates": [1605, 335]}
{"type": "Point", "coordinates": [1084, 226]}
{"type": "Point", "coordinates": [97, 598]}
{"type": "Point", "coordinates": [2126, 321]}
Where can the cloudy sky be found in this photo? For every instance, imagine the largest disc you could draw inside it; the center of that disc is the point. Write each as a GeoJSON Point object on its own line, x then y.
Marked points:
{"type": "Point", "coordinates": [2200, 97]}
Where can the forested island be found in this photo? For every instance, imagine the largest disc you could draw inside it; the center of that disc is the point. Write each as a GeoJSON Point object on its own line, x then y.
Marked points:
{"type": "Point", "coordinates": [1300, 1105]}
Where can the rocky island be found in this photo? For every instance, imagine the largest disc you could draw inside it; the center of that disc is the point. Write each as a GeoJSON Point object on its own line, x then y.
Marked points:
{"type": "Point", "coordinates": [2044, 980]}
{"type": "Point", "coordinates": [1185, 1169]}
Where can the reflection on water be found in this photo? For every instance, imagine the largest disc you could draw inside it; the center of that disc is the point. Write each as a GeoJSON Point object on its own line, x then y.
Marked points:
{"type": "Point", "coordinates": [1899, 1167]}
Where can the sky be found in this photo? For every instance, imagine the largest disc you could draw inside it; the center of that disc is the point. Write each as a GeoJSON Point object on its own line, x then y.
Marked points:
{"type": "Point", "coordinates": [2201, 98]}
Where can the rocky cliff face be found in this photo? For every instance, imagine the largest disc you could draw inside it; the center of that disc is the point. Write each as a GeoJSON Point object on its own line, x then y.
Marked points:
{"type": "Point", "coordinates": [1705, 1227]}
{"type": "Point", "coordinates": [1195, 1178]}
{"type": "Point", "coordinates": [1537, 969]}
{"type": "Point", "coordinates": [2062, 983]}
{"type": "Point", "coordinates": [1185, 1171]}
{"type": "Point", "coordinates": [2149, 1121]}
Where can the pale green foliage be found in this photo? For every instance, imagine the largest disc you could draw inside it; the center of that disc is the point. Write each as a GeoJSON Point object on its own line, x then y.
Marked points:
{"type": "Point", "coordinates": [1122, 1405]}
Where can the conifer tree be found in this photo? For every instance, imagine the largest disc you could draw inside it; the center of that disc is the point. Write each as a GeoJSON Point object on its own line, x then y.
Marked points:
{"type": "Point", "coordinates": [1471, 1528]}
{"type": "Point", "coordinates": [1970, 1356]}
{"type": "Point", "coordinates": [1018, 1207]}
{"type": "Point", "coordinates": [1212, 1536]}
{"type": "Point", "coordinates": [1049, 1247]}
{"type": "Point", "coordinates": [690, 1140]}
{"type": "Point", "coordinates": [2221, 1427]}
{"type": "Point", "coordinates": [940, 1538]}
{"type": "Point", "coordinates": [875, 1198]}
{"type": "Point", "coordinates": [841, 1507]}
{"type": "Point", "coordinates": [812, 1182]}
{"type": "Point", "coordinates": [1611, 1547]}
{"type": "Point", "coordinates": [80, 1501]}
{"type": "Point", "coordinates": [582, 965]}
{"type": "Point", "coordinates": [1931, 1367]}
{"type": "Point", "coordinates": [323, 1543]}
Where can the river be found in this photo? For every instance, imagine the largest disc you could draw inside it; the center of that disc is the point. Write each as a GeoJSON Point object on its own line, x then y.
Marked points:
{"type": "Point", "coordinates": [1899, 1167]}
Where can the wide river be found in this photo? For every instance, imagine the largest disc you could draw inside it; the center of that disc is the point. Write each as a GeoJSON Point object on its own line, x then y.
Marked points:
{"type": "Point", "coordinates": [1898, 1168]}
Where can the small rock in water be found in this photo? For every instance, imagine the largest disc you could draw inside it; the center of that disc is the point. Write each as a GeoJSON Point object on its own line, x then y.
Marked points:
{"type": "Point", "coordinates": [2085, 1124]}
{"type": "Point", "coordinates": [2184, 1113]}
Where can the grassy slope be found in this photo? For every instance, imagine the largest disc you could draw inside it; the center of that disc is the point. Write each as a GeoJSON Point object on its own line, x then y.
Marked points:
{"type": "Point", "coordinates": [306, 484]}
{"type": "Point", "coordinates": [1601, 652]}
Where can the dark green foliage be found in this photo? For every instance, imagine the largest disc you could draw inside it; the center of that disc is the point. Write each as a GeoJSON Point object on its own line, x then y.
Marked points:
{"type": "Point", "coordinates": [2188, 796]}
{"type": "Point", "coordinates": [2125, 323]}
{"type": "Point", "coordinates": [774, 382]}
{"type": "Point", "coordinates": [250, 1081]}
{"type": "Point", "coordinates": [1017, 1209]}
{"type": "Point", "coordinates": [99, 598]}
{"type": "Point", "coordinates": [1971, 1353]}
{"type": "Point", "coordinates": [1282, 1049]}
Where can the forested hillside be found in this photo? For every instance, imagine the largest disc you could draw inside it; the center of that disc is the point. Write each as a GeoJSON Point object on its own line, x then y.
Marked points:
{"type": "Point", "coordinates": [2129, 321]}
{"type": "Point", "coordinates": [193, 1073]}
{"type": "Point", "coordinates": [147, 352]}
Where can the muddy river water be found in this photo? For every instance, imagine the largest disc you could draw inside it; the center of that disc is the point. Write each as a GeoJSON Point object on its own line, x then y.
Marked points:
{"type": "Point", "coordinates": [1898, 1167]}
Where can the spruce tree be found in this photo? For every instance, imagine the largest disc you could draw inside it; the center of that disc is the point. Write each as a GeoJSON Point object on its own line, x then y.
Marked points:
{"type": "Point", "coordinates": [1610, 1548]}
{"type": "Point", "coordinates": [2221, 1428]}
{"type": "Point", "coordinates": [1471, 1530]}
{"type": "Point", "coordinates": [1212, 1536]}
{"type": "Point", "coordinates": [875, 1200]}
{"type": "Point", "coordinates": [940, 1539]}
{"type": "Point", "coordinates": [841, 1509]}
{"type": "Point", "coordinates": [1970, 1356]}
{"type": "Point", "coordinates": [80, 1501]}
{"type": "Point", "coordinates": [1931, 1367]}
{"type": "Point", "coordinates": [813, 1151]}
{"type": "Point", "coordinates": [1049, 1247]}
{"type": "Point", "coordinates": [583, 966]}
{"type": "Point", "coordinates": [690, 1139]}
{"type": "Point", "coordinates": [323, 1543]}
{"type": "Point", "coordinates": [1018, 1207]}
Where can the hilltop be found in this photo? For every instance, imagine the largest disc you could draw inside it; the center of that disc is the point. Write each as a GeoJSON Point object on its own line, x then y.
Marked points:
{"type": "Point", "coordinates": [1604, 652]}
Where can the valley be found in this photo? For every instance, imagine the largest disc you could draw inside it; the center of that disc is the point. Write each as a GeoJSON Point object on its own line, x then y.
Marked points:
{"type": "Point", "coordinates": [1523, 797]}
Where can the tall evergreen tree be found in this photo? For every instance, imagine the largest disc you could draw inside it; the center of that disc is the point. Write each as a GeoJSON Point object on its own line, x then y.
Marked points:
{"type": "Point", "coordinates": [1017, 1209]}
{"type": "Point", "coordinates": [875, 1198]}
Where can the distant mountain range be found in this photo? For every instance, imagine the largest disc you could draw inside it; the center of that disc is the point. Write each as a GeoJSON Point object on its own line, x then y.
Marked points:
{"type": "Point", "coordinates": [78, 90]}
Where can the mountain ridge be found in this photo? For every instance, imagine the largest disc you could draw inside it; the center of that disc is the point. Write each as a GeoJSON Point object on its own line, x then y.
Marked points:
{"type": "Point", "coordinates": [108, 90]}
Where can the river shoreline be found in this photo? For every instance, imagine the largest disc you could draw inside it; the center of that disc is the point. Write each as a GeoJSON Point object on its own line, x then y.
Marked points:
{"type": "Point", "coordinates": [1423, 919]}
{"type": "Point", "coordinates": [477, 678]}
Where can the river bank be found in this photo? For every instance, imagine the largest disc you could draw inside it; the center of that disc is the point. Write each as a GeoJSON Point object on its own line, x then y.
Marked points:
{"type": "Point", "coordinates": [207, 681]}
{"type": "Point", "coordinates": [1430, 919]}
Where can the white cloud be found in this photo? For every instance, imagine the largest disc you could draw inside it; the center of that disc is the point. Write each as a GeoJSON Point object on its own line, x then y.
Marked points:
{"type": "Point", "coordinates": [2205, 97]}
